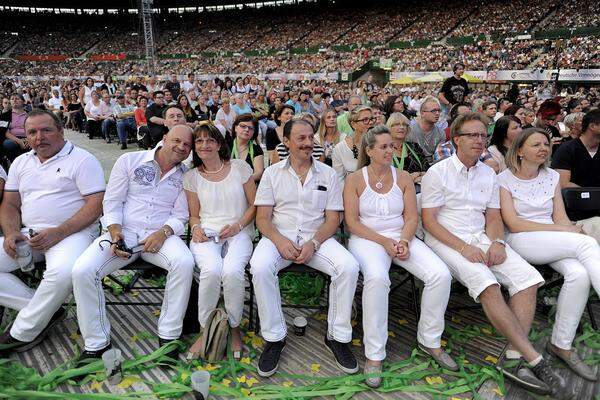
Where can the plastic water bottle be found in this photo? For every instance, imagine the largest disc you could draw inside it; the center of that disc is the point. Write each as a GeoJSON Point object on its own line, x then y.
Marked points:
{"type": "Point", "coordinates": [200, 384]}
{"type": "Point", "coordinates": [24, 256]}
{"type": "Point", "coordinates": [112, 360]}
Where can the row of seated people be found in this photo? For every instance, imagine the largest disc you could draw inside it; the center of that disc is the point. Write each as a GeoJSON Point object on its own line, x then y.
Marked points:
{"type": "Point", "coordinates": [58, 192]}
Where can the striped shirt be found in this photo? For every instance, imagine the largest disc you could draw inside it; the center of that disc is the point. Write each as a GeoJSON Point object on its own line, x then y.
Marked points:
{"type": "Point", "coordinates": [284, 153]}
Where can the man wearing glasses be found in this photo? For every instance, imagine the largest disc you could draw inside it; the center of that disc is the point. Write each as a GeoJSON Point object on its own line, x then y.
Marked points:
{"type": "Point", "coordinates": [424, 129]}
{"type": "Point", "coordinates": [461, 216]}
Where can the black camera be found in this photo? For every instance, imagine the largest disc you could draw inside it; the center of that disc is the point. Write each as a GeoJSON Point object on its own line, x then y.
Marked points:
{"type": "Point", "coordinates": [121, 246]}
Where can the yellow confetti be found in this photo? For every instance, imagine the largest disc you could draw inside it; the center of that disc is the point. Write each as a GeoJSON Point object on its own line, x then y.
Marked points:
{"type": "Point", "coordinates": [491, 359]}
{"type": "Point", "coordinates": [288, 383]}
{"type": "Point", "coordinates": [246, 392]}
{"type": "Point", "coordinates": [466, 362]}
{"type": "Point", "coordinates": [128, 382]}
{"type": "Point", "coordinates": [486, 331]}
{"type": "Point", "coordinates": [95, 385]}
{"type": "Point", "coordinates": [245, 322]}
{"type": "Point", "coordinates": [225, 382]}
{"type": "Point", "coordinates": [210, 367]}
{"type": "Point", "coordinates": [455, 398]}
{"type": "Point", "coordinates": [245, 360]}
{"type": "Point", "coordinates": [356, 342]}
{"type": "Point", "coordinates": [456, 320]}
{"type": "Point", "coordinates": [391, 334]}
{"type": "Point", "coordinates": [498, 392]}
{"type": "Point", "coordinates": [443, 343]}
{"type": "Point", "coordinates": [75, 336]}
{"type": "Point", "coordinates": [402, 321]}
{"type": "Point", "coordinates": [315, 367]}
{"type": "Point", "coordinates": [135, 338]}
{"type": "Point", "coordinates": [241, 379]}
{"type": "Point", "coordinates": [250, 382]}
{"type": "Point", "coordinates": [156, 312]}
{"type": "Point", "coordinates": [353, 323]}
{"type": "Point", "coordinates": [434, 380]}
{"type": "Point", "coordinates": [257, 342]}
{"type": "Point", "coordinates": [321, 317]}
{"type": "Point", "coordinates": [135, 293]}
{"type": "Point", "coordinates": [184, 376]}
{"type": "Point", "coordinates": [250, 334]}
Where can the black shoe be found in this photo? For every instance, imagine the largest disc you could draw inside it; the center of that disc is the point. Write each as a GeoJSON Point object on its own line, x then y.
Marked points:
{"type": "Point", "coordinates": [343, 355]}
{"type": "Point", "coordinates": [555, 382]}
{"type": "Point", "coordinates": [8, 344]}
{"type": "Point", "coordinates": [88, 356]}
{"type": "Point", "coordinates": [174, 354]}
{"type": "Point", "coordinates": [123, 146]}
{"type": "Point", "coordinates": [108, 140]}
{"type": "Point", "coordinates": [518, 372]}
{"type": "Point", "coordinates": [269, 359]}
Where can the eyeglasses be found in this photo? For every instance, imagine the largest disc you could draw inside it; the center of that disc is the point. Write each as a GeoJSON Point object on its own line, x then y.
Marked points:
{"type": "Point", "coordinates": [435, 110]}
{"type": "Point", "coordinates": [366, 120]}
{"type": "Point", "coordinates": [400, 125]}
{"type": "Point", "coordinates": [474, 135]}
{"type": "Point", "coordinates": [159, 97]}
{"type": "Point", "coordinates": [246, 127]}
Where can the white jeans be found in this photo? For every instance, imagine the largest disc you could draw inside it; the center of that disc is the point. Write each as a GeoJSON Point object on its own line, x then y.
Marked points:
{"type": "Point", "coordinates": [331, 258]}
{"type": "Point", "coordinates": [228, 272]}
{"type": "Point", "coordinates": [577, 258]}
{"type": "Point", "coordinates": [423, 264]}
{"type": "Point", "coordinates": [36, 307]}
{"type": "Point", "coordinates": [514, 273]}
{"type": "Point", "coordinates": [95, 263]}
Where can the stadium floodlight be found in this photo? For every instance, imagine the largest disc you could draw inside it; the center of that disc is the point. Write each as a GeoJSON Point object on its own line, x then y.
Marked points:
{"type": "Point", "coordinates": [146, 16]}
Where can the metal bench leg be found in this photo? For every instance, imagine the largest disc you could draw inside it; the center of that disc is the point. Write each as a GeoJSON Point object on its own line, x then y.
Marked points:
{"type": "Point", "coordinates": [415, 297]}
{"type": "Point", "coordinates": [590, 312]}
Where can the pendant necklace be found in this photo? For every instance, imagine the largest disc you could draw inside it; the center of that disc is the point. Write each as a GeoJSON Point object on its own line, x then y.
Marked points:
{"type": "Point", "coordinates": [379, 184]}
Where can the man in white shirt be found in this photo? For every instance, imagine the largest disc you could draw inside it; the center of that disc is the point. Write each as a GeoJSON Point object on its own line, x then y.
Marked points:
{"type": "Point", "coordinates": [298, 211]}
{"type": "Point", "coordinates": [55, 103]}
{"type": "Point", "coordinates": [146, 207]}
{"type": "Point", "coordinates": [55, 191]}
{"type": "Point", "coordinates": [190, 84]}
{"type": "Point", "coordinates": [461, 214]}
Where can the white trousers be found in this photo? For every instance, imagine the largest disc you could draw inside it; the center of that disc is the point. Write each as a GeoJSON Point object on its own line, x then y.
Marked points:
{"type": "Point", "coordinates": [331, 258]}
{"type": "Point", "coordinates": [424, 265]}
{"type": "Point", "coordinates": [577, 258]}
{"type": "Point", "coordinates": [95, 263]}
{"type": "Point", "coordinates": [514, 273]}
{"type": "Point", "coordinates": [228, 272]}
{"type": "Point", "coordinates": [36, 307]}
{"type": "Point", "coordinates": [591, 227]}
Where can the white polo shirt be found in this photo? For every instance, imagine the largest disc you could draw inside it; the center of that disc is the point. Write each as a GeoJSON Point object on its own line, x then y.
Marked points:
{"type": "Point", "coordinates": [53, 191]}
{"type": "Point", "coordinates": [3, 175]}
{"type": "Point", "coordinates": [299, 210]}
{"type": "Point", "coordinates": [462, 194]}
{"type": "Point", "coordinates": [141, 200]}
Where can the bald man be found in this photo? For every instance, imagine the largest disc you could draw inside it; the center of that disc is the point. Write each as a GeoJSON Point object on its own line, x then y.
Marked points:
{"type": "Point", "coordinates": [146, 207]}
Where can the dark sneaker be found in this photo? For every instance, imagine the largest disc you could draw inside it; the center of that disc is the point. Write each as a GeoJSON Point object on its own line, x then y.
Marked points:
{"type": "Point", "coordinates": [555, 382]}
{"type": "Point", "coordinates": [269, 359]}
{"type": "Point", "coordinates": [8, 344]}
{"type": "Point", "coordinates": [174, 354]}
{"type": "Point", "coordinates": [343, 355]}
{"type": "Point", "coordinates": [518, 373]}
{"type": "Point", "coordinates": [574, 362]}
{"type": "Point", "coordinates": [88, 356]}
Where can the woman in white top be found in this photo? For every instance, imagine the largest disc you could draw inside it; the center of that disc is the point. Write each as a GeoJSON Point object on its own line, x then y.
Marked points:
{"type": "Point", "coordinates": [85, 93]}
{"type": "Point", "coordinates": [328, 134]}
{"type": "Point", "coordinates": [220, 194]}
{"type": "Point", "coordinates": [225, 116]}
{"type": "Point", "coordinates": [344, 157]}
{"type": "Point", "coordinates": [380, 211]}
{"type": "Point", "coordinates": [540, 231]}
{"type": "Point", "coordinates": [93, 111]}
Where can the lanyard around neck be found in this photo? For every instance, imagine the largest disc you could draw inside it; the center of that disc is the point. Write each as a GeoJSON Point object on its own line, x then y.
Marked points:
{"type": "Point", "coordinates": [234, 151]}
{"type": "Point", "coordinates": [400, 164]}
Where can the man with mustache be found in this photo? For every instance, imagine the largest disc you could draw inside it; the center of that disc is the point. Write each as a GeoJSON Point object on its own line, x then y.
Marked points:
{"type": "Point", "coordinates": [146, 207]}
{"type": "Point", "coordinates": [299, 201]}
{"type": "Point", "coordinates": [55, 190]}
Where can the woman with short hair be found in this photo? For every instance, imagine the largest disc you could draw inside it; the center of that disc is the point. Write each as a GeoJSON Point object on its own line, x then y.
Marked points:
{"type": "Point", "coordinates": [540, 231]}
{"type": "Point", "coordinates": [220, 193]}
{"type": "Point", "coordinates": [407, 156]}
{"type": "Point", "coordinates": [243, 144]}
{"type": "Point", "coordinates": [380, 211]}
{"type": "Point", "coordinates": [344, 157]}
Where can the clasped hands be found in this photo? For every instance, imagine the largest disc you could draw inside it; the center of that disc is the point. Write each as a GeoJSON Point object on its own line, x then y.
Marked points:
{"type": "Point", "coordinates": [396, 249]}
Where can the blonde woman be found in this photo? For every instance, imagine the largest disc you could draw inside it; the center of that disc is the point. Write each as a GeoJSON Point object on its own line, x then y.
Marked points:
{"type": "Point", "coordinates": [407, 156]}
{"type": "Point", "coordinates": [380, 211]}
{"type": "Point", "coordinates": [540, 231]}
{"type": "Point", "coordinates": [328, 134]}
{"type": "Point", "coordinates": [344, 157]}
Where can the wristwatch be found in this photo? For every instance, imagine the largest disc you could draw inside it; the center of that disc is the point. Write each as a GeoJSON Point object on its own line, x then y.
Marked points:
{"type": "Point", "coordinates": [166, 231]}
{"type": "Point", "coordinates": [500, 241]}
{"type": "Point", "coordinates": [316, 243]}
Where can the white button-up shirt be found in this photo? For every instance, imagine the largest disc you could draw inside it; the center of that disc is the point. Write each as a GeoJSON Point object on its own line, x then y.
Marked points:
{"type": "Point", "coordinates": [53, 191]}
{"type": "Point", "coordinates": [299, 210]}
{"type": "Point", "coordinates": [463, 195]}
{"type": "Point", "coordinates": [141, 200]}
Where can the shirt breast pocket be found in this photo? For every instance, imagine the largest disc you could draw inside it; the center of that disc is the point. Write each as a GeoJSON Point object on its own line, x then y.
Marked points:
{"type": "Point", "coordinates": [319, 199]}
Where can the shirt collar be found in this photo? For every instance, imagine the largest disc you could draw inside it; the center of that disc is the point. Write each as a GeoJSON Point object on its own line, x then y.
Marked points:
{"type": "Point", "coordinates": [65, 151]}
{"type": "Point", "coordinates": [150, 157]}
{"type": "Point", "coordinates": [458, 165]}
{"type": "Point", "coordinates": [287, 164]}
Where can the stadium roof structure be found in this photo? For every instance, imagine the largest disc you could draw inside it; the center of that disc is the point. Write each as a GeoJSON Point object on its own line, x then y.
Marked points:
{"type": "Point", "coordinates": [120, 4]}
